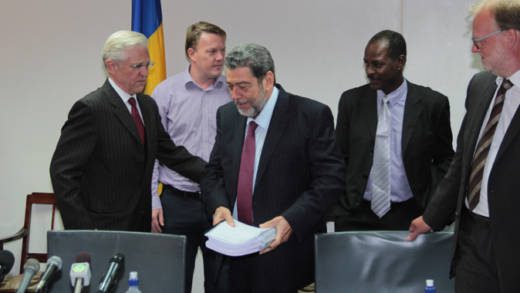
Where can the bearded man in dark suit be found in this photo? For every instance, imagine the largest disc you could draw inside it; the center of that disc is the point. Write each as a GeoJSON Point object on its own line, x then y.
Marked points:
{"type": "Point", "coordinates": [288, 181]}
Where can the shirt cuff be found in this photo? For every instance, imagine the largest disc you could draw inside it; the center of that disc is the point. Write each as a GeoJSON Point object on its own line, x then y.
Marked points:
{"type": "Point", "coordinates": [156, 202]}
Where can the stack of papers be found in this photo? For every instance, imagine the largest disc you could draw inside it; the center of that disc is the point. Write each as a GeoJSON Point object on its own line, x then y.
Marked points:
{"type": "Point", "coordinates": [239, 240]}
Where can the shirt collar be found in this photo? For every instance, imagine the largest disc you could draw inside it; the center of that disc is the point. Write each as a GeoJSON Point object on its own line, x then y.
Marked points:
{"type": "Point", "coordinates": [189, 83]}
{"type": "Point", "coordinates": [515, 79]}
{"type": "Point", "coordinates": [122, 94]}
{"type": "Point", "coordinates": [264, 117]}
{"type": "Point", "coordinates": [397, 96]}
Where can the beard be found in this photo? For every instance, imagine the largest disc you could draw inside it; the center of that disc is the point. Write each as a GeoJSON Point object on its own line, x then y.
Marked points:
{"type": "Point", "coordinates": [251, 112]}
{"type": "Point", "coordinates": [255, 108]}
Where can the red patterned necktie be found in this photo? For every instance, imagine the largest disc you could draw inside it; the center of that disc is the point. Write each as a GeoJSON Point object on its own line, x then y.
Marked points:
{"type": "Point", "coordinates": [245, 177]}
{"type": "Point", "coordinates": [483, 146]}
{"type": "Point", "coordinates": [137, 119]}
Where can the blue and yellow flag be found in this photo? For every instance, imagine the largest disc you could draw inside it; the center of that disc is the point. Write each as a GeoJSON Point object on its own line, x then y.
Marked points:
{"type": "Point", "coordinates": [147, 19]}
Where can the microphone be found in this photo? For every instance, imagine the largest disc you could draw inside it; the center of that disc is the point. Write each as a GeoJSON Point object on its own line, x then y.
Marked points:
{"type": "Point", "coordinates": [30, 268]}
{"type": "Point", "coordinates": [54, 265]}
{"type": "Point", "coordinates": [6, 263]}
{"type": "Point", "coordinates": [80, 272]}
{"type": "Point", "coordinates": [115, 267]}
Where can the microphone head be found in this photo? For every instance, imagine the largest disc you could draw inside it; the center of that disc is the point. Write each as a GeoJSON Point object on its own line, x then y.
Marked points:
{"type": "Point", "coordinates": [31, 264]}
{"type": "Point", "coordinates": [81, 269]}
{"type": "Point", "coordinates": [6, 261]}
{"type": "Point", "coordinates": [55, 260]}
{"type": "Point", "coordinates": [52, 271]}
{"type": "Point", "coordinates": [82, 257]}
{"type": "Point", "coordinates": [118, 257]}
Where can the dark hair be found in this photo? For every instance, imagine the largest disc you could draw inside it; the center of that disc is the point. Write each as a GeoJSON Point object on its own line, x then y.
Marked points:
{"type": "Point", "coordinates": [396, 42]}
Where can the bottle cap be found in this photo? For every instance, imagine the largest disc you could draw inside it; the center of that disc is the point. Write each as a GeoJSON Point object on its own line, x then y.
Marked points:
{"type": "Point", "coordinates": [133, 281]}
{"type": "Point", "coordinates": [429, 283]}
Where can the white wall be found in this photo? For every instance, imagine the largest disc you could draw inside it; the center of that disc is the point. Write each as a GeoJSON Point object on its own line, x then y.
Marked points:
{"type": "Point", "coordinates": [50, 58]}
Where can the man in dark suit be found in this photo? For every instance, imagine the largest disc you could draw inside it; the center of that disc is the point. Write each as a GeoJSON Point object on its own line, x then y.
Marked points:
{"type": "Point", "coordinates": [274, 164]}
{"type": "Point", "coordinates": [102, 167]}
{"type": "Point", "coordinates": [481, 187]}
{"type": "Point", "coordinates": [413, 127]}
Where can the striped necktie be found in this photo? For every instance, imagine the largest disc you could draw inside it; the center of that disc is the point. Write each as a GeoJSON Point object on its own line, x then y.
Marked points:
{"type": "Point", "coordinates": [483, 146]}
{"type": "Point", "coordinates": [380, 172]}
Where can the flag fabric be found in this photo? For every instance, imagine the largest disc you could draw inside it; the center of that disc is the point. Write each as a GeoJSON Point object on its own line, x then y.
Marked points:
{"type": "Point", "coordinates": [147, 19]}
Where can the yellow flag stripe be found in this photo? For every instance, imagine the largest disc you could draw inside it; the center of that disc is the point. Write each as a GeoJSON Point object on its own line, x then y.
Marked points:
{"type": "Point", "coordinates": [156, 49]}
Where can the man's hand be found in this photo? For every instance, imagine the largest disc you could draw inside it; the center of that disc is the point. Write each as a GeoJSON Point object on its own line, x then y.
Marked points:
{"type": "Point", "coordinates": [283, 232]}
{"type": "Point", "coordinates": [223, 214]}
{"type": "Point", "coordinates": [417, 227]}
{"type": "Point", "coordinates": [157, 220]}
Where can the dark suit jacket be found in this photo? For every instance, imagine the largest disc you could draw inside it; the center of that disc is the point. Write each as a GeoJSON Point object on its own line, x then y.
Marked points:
{"type": "Point", "coordinates": [426, 140]}
{"type": "Point", "coordinates": [503, 184]}
{"type": "Point", "coordinates": [299, 176]}
{"type": "Point", "coordinates": [101, 172]}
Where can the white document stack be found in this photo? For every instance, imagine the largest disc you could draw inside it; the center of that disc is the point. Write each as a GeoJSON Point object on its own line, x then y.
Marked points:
{"type": "Point", "coordinates": [239, 240]}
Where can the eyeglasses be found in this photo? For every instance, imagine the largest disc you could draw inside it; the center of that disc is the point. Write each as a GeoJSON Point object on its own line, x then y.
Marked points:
{"type": "Point", "coordinates": [138, 66]}
{"type": "Point", "coordinates": [478, 40]}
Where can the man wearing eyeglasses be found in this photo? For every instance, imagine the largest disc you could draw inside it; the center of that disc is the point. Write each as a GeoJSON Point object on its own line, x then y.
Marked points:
{"type": "Point", "coordinates": [482, 188]}
{"type": "Point", "coordinates": [396, 141]}
{"type": "Point", "coordinates": [102, 166]}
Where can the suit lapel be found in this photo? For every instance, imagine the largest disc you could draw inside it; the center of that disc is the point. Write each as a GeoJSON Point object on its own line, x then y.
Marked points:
{"type": "Point", "coordinates": [120, 110]}
{"type": "Point", "coordinates": [368, 109]}
{"type": "Point", "coordinates": [511, 133]}
{"type": "Point", "coordinates": [475, 123]}
{"type": "Point", "coordinates": [279, 121]}
{"type": "Point", "coordinates": [412, 111]}
{"type": "Point", "coordinates": [236, 143]}
{"type": "Point", "coordinates": [146, 112]}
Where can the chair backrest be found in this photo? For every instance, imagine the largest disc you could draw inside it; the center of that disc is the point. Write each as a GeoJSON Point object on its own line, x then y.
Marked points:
{"type": "Point", "coordinates": [32, 200]}
{"type": "Point", "coordinates": [382, 261]}
{"type": "Point", "coordinates": [158, 258]}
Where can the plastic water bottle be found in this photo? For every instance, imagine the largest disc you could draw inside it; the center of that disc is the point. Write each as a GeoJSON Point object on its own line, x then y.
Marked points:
{"type": "Point", "coordinates": [133, 283]}
{"type": "Point", "coordinates": [430, 287]}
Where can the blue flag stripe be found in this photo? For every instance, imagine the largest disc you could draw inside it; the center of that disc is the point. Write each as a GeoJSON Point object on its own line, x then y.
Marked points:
{"type": "Point", "coordinates": [146, 16]}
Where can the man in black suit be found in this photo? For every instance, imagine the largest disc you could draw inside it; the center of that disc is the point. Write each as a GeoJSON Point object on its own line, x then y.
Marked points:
{"type": "Point", "coordinates": [102, 166]}
{"type": "Point", "coordinates": [396, 141]}
{"type": "Point", "coordinates": [288, 181]}
{"type": "Point", "coordinates": [481, 188]}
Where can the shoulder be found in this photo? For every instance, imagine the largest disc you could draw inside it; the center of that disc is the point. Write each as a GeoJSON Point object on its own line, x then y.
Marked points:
{"type": "Point", "coordinates": [356, 93]}
{"type": "Point", "coordinates": [173, 81]}
{"type": "Point", "coordinates": [303, 108]}
{"type": "Point", "coordinates": [482, 84]}
{"type": "Point", "coordinates": [227, 110]}
{"type": "Point", "coordinates": [426, 93]}
{"type": "Point", "coordinates": [95, 98]}
{"type": "Point", "coordinates": [306, 104]}
{"type": "Point", "coordinates": [482, 79]}
{"type": "Point", "coordinates": [171, 84]}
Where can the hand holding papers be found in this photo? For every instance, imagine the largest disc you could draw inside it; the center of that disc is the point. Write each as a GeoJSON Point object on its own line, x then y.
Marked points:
{"type": "Point", "coordinates": [239, 240]}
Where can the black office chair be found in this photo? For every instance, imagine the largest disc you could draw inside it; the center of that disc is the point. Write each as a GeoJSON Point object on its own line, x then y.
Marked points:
{"type": "Point", "coordinates": [382, 261]}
